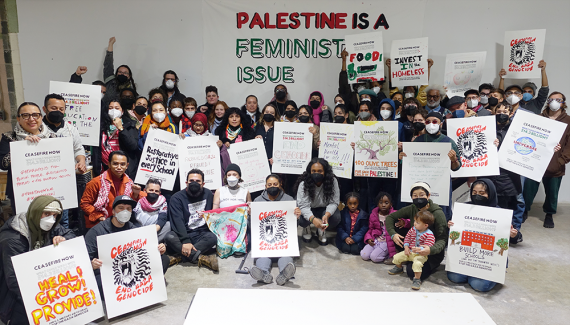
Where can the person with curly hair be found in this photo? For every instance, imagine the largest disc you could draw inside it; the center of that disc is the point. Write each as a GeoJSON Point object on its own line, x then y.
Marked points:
{"type": "Point", "coordinates": [234, 127]}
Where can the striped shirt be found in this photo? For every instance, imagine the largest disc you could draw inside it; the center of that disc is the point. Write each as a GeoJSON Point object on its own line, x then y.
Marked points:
{"type": "Point", "coordinates": [415, 238]}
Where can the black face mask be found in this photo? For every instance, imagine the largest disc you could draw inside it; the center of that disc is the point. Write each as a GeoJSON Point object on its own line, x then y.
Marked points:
{"type": "Point", "coordinates": [480, 199]}
{"type": "Point", "coordinates": [273, 191]}
{"type": "Point", "coordinates": [121, 79]}
{"type": "Point", "coordinates": [315, 104]}
{"type": "Point", "coordinates": [502, 118]}
{"type": "Point", "coordinates": [151, 197]}
{"type": "Point", "coordinates": [268, 118]}
{"type": "Point", "coordinates": [339, 119]}
{"type": "Point", "coordinates": [127, 103]}
{"type": "Point", "coordinates": [420, 202]}
{"type": "Point", "coordinates": [280, 95]}
{"type": "Point", "coordinates": [317, 178]}
{"type": "Point", "coordinates": [140, 110]}
{"type": "Point", "coordinates": [55, 117]}
{"type": "Point", "coordinates": [194, 189]}
{"type": "Point", "coordinates": [411, 110]}
{"type": "Point", "coordinates": [290, 114]}
{"type": "Point", "coordinates": [493, 101]}
{"type": "Point", "coordinates": [304, 119]}
{"type": "Point", "coordinates": [419, 126]}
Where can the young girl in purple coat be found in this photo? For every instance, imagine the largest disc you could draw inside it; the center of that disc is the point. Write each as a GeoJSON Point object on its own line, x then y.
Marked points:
{"type": "Point", "coordinates": [379, 246]}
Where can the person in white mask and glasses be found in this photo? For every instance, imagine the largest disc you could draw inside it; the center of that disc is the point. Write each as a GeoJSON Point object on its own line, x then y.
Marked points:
{"type": "Point", "coordinates": [473, 101]}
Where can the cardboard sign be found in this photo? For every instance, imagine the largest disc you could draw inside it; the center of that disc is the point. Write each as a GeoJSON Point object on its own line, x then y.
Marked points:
{"type": "Point", "coordinates": [365, 57]}
{"type": "Point", "coordinates": [409, 66]}
{"type": "Point", "coordinates": [251, 156]}
{"type": "Point", "coordinates": [159, 158]}
{"type": "Point", "coordinates": [523, 50]}
{"type": "Point", "coordinates": [463, 71]}
{"type": "Point", "coordinates": [335, 147]}
{"type": "Point", "coordinates": [376, 149]}
{"type": "Point", "coordinates": [274, 229]}
{"type": "Point", "coordinates": [292, 146]}
{"type": "Point", "coordinates": [202, 153]}
{"type": "Point", "coordinates": [43, 168]}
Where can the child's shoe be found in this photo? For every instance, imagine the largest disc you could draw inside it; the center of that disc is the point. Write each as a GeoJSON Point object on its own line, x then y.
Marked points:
{"type": "Point", "coordinates": [396, 270]}
{"type": "Point", "coordinates": [416, 284]}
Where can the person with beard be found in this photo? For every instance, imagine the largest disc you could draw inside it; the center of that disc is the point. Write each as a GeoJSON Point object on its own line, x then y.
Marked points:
{"type": "Point", "coordinates": [472, 99]}
{"type": "Point", "coordinates": [234, 127]}
{"type": "Point", "coordinates": [265, 129]}
{"type": "Point", "coordinates": [117, 80]}
{"type": "Point", "coordinates": [190, 237]}
{"type": "Point", "coordinates": [435, 95]}
{"type": "Point", "coordinates": [251, 109]}
{"type": "Point", "coordinates": [280, 97]}
{"type": "Point", "coordinates": [525, 97]}
{"type": "Point", "coordinates": [170, 85]}
{"type": "Point", "coordinates": [290, 112]}
{"type": "Point", "coordinates": [320, 110]}
{"type": "Point", "coordinates": [212, 99]}
{"type": "Point", "coordinates": [395, 222]}
{"type": "Point", "coordinates": [152, 208]}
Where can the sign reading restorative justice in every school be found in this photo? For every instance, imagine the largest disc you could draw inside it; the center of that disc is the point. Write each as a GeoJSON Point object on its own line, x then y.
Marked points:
{"type": "Point", "coordinates": [44, 168]}
{"type": "Point", "coordinates": [365, 57]}
{"type": "Point", "coordinates": [58, 285]}
{"type": "Point", "coordinates": [131, 274]}
{"type": "Point", "coordinates": [376, 149]}
{"type": "Point", "coordinates": [274, 229]}
{"type": "Point", "coordinates": [292, 147]}
{"type": "Point", "coordinates": [252, 156]}
{"type": "Point", "coordinates": [523, 50]}
{"type": "Point", "coordinates": [479, 241]}
{"type": "Point", "coordinates": [159, 158]}
{"type": "Point", "coordinates": [201, 152]}
{"type": "Point", "coordinates": [474, 138]}
{"type": "Point", "coordinates": [82, 109]}
{"type": "Point", "coordinates": [335, 147]}
{"type": "Point", "coordinates": [427, 162]}
{"type": "Point", "coordinates": [463, 71]}
{"type": "Point", "coordinates": [409, 66]}
{"type": "Point", "coordinates": [529, 144]}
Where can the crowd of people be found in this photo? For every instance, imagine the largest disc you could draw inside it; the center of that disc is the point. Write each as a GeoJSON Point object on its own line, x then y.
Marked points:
{"type": "Point", "coordinates": [367, 213]}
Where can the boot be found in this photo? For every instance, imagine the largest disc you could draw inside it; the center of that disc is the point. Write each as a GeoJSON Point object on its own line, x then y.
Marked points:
{"type": "Point", "coordinates": [210, 262]}
{"type": "Point", "coordinates": [174, 260]}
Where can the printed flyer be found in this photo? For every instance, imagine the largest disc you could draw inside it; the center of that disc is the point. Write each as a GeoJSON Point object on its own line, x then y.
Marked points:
{"type": "Point", "coordinates": [335, 147]}
{"type": "Point", "coordinates": [523, 50]}
{"type": "Point", "coordinates": [159, 158]}
{"type": "Point", "coordinates": [274, 229]}
{"type": "Point", "coordinates": [365, 57]}
{"type": "Point", "coordinates": [376, 149]}
{"type": "Point", "coordinates": [252, 156]}
{"type": "Point", "coordinates": [409, 66]}
{"type": "Point", "coordinates": [463, 71]}
{"type": "Point", "coordinates": [202, 153]}
{"type": "Point", "coordinates": [292, 147]}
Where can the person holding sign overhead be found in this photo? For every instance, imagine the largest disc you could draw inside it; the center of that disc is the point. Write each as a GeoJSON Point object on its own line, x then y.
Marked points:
{"type": "Point", "coordinates": [24, 232]}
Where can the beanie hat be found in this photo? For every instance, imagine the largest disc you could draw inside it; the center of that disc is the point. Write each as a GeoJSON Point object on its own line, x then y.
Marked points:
{"type": "Point", "coordinates": [233, 167]}
{"type": "Point", "coordinates": [423, 185]}
{"type": "Point", "coordinates": [53, 207]}
{"type": "Point", "coordinates": [436, 115]}
{"type": "Point", "coordinates": [531, 85]}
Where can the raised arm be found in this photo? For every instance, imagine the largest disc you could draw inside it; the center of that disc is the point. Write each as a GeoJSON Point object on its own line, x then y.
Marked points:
{"type": "Point", "coordinates": [108, 67]}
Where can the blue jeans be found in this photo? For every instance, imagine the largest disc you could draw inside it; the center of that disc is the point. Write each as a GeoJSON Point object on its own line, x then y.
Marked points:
{"type": "Point", "coordinates": [475, 283]}
{"type": "Point", "coordinates": [518, 212]}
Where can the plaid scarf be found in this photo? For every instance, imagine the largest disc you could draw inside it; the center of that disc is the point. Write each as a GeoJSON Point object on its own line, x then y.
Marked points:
{"type": "Point", "coordinates": [103, 197]}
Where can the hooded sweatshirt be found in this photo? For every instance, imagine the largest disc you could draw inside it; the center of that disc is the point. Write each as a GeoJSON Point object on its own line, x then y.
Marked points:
{"type": "Point", "coordinates": [491, 190]}
{"type": "Point", "coordinates": [393, 117]}
{"type": "Point", "coordinates": [264, 197]}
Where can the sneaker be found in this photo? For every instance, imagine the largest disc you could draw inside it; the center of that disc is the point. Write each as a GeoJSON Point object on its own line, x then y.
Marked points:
{"type": "Point", "coordinates": [416, 284]}
{"type": "Point", "coordinates": [287, 273]}
{"type": "Point", "coordinates": [525, 216]}
{"type": "Point", "coordinates": [260, 275]}
{"type": "Point", "coordinates": [307, 235]}
{"type": "Point", "coordinates": [396, 270]}
{"type": "Point", "coordinates": [322, 234]}
{"type": "Point", "coordinates": [210, 262]}
{"type": "Point", "coordinates": [174, 260]}
{"type": "Point", "coordinates": [548, 221]}
{"type": "Point", "coordinates": [388, 261]}
{"type": "Point", "coordinates": [517, 239]}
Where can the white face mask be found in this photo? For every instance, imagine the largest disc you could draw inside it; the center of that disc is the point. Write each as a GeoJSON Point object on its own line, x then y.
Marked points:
{"type": "Point", "coordinates": [123, 216]}
{"type": "Point", "coordinates": [484, 100]}
{"type": "Point", "coordinates": [47, 222]}
{"type": "Point", "coordinates": [376, 89]}
{"type": "Point", "coordinates": [190, 114]}
{"type": "Point", "coordinates": [513, 99]}
{"type": "Point", "coordinates": [432, 128]}
{"type": "Point", "coordinates": [115, 113]}
{"type": "Point", "coordinates": [385, 114]}
{"type": "Point", "coordinates": [232, 181]}
{"type": "Point", "coordinates": [472, 103]}
{"type": "Point", "coordinates": [554, 106]}
{"type": "Point", "coordinates": [176, 111]}
{"type": "Point", "coordinates": [337, 103]}
{"type": "Point", "coordinates": [159, 117]}
{"type": "Point", "coordinates": [365, 100]}
{"type": "Point", "coordinates": [169, 84]}
{"type": "Point", "coordinates": [409, 95]}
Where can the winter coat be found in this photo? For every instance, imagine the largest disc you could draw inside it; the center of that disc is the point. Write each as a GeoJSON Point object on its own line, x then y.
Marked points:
{"type": "Point", "coordinates": [360, 228]}
{"type": "Point", "coordinates": [377, 229]}
{"type": "Point", "coordinates": [557, 165]}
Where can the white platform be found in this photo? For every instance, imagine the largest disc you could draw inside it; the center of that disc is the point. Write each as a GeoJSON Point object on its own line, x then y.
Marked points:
{"type": "Point", "coordinates": [257, 306]}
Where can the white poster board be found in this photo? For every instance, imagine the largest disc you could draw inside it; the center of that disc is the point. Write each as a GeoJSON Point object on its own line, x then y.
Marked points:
{"type": "Point", "coordinates": [202, 153]}
{"type": "Point", "coordinates": [376, 149]}
{"type": "Point", "coordinates": [292, 146]}
{"type": "Point", "coordinates": [409, 66]}
{"type": "Point", "coordinates": [529, 144]}
{"type": "Point", "coordinates": [159, 158]}
{"type": "Point", "coordinates": [131, 274]}
{"type": "Point", "coordinates": [463, 71]}
{"type": "Point", "coordinates": [365, 57]}
{"type": "Point", "coordinates": [427, 162]}
{"type": "Point", "coordinates": [58, 285]}
{"type": "Point", "coordinates": [82, 109]}
{"type": "Point", "coordinates": [252, 159]}
{"type": "Point", "coordinates": [523, 49]}
{"type": "Point", "coordinates": [479, 241]}
{"type": "Point", "coordinates": [474, 137]}
{"type": "Point", "coordinates": [43, 168]}
{"type": "Point", "coordinates": [274, 229]}
{"type": "Point", "coordinates": [335, 147]}
{"type": "Point", "coordinates": [462, 194]}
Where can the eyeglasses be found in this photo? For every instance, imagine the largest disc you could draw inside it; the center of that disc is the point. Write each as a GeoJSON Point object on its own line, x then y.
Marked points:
{"type": "Point", "coordinates": [471, 97]}
{"type": "Point", "coordinates": [26, 116]}
{"type": "Point", "coordinates": [549, 100]}
{"type": "Point", "coordinates": [432, 97]}
{"type": "Point", "coordinates": [432, 122]}
{"type": "Point", "coordinates": [513, 93]}
{"type": "Point", "coordinates": [485, 94]}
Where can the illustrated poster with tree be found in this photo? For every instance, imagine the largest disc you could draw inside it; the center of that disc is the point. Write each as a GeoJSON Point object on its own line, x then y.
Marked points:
{"type": "Point", "coordinates": [376, 149]}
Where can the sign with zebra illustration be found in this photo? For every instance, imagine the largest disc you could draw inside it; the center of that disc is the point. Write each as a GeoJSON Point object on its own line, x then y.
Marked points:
{"type": "Point", "coordinates": [274, 229]}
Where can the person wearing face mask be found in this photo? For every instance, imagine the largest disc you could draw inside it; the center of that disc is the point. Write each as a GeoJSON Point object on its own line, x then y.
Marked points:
{"type": "Point", "coordinates": [152, 208]}
{"type": "Point", "coordinates": [38, 227]}
{"type": "Point", "coordinates": [526, 94]}
{"type": "Point", "coordinates": [409, 109]}
{"type": "Point", "coordinates": [139, 112]}
{"type": "Point", "coordinates": [341, 99]}
{"type": "Point", "coordinates": [170, 86]}
{"type": "Point", "coordinates": [117, 80]}
{"type": "Point", "coordinates": [190, 238]}
{"type": "Point", "coordinates": [280, 97]}
{"type": "Point", "coordinates": [317, 103]}
{"type": "Point", "coordinates": [122, 211]}
{"type": "Point", "coordinates": [472, 100]}
{"type": "Point", "coordinates": [251, 109]}
{"type": "Point", "coordinates": [365, 112]}
{"type": "Point", "coordinates": [265, 129]}
{"type": "Point", "coordinates": [290, 112]}
{"type": "Point", "coordinates": [158, 119]}
{"type": "Point", "coordinates": [485, 93]}
{"type": "Point", "coordinates": [176, 113]}
{"type": "Point", "coordinates": [231, 193]}
{"type": "Point", "coordinates": [396, 223]}
{"type": "Point", "coordinates": [368, 95]}
{"type": "Point", "coordinates": [556, 110]}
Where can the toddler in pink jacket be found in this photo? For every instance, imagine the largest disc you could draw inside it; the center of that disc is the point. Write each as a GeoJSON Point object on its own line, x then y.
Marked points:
{"type": "Point", "coordinates": [379, 245]}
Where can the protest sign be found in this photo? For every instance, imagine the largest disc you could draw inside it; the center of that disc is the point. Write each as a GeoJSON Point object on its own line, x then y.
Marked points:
{"type": "Point", "coordinates": [376, 149]}
{"type": "Point", "coordinates": [463, 71]}
{"type": "Point", "coordinates": [82, 109]}
{"type": "Point", "coordinates": [229, 224]}
{"type": "Point", "coordinates": [523, 49]}
{"type": "Point", "coordinates": [292, 146]}
{"type": "Point", "coordinates": [202, 153]}
{"type": "Point", "coordinates": [409, 66]}
{"type": "Point", "coordinates": [252, 157]}
{"type": "Point", "coordinates": [44, 168]}
{"type": "Point", "coordinates": [462, 194]}
{"type": "Point", "coordinates": [274, 229]}
{"type": "Point", "coordinates": [335, 147]}
{"type": "Point", "coordinates": [131, 274]}
{"type": "Point", "coordinates": [427, 162]}
{"type": "Point", "coordinates": [365, 57]}
{"type": "Point", "coordinates": [58, 285]}
{"type": "Point", "coordinates": [529, 144]}
{"type": "Point", "coordinates": [159, 158]}
{"type": "Point", "coordinates": [474, 138]}
{"type": "Point", "coordinates": [479, 241]}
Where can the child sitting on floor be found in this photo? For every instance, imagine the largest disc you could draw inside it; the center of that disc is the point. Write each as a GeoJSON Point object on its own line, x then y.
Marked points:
{"type": "Point", "coordinates": [353, 226]}
{"type": "Point", "coordinates": [380, 246]}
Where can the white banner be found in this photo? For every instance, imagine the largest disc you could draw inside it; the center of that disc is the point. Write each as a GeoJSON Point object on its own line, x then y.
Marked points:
{"type": "Point", "coordinates": [376, 149]}
{"type": "Point", "coordinates": [58, 285]}
{"type": "Point", "coordinates": [252, 158]}
{"type": "Point", "coordinates": [274, 229]}
{"type": "Point", "coordinates": [365, 57]}
{"type": "Point", "coordinates": [462, 194]}
{"type": "Point", "coordinates": [292, 146]}
{"type": "Point", "coordinates": [132, 270]}
{"type": "Point", "coordinates": [159, 158]}
{"type": "Point", "coordinates": [82, 109]}
{"type": "Point", "coordinates": [409, 66]}
{"type": "Point", "coordinates": [529, 144]}
{"type": "Point", "coordinates": [474, 137]}
{"type": "Point", "coordinates": [335, 147]}
{"type": "Point", "coordinates": [427, 162]}
{"type": "Point", "coordinates": [523, 49]}
{"type": "Point", "coordinates": [43, 168]}
{"type": "Point", "coordinates": [479, 241]}
{"type": "Point", "coordinates": [202, 153]}
{"type": "Point", "coordinates": [463, 71]}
